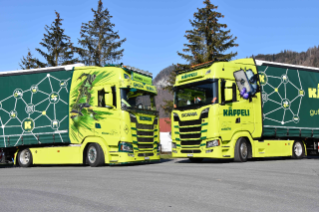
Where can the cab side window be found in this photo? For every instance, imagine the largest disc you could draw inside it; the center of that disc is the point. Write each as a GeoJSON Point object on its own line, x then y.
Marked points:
{"type": "Point", "coordinates": [114, 96]}
{"type": "Point", "coordinates": [101, 100]}
{"type": "Point", "coordinates": [228, 91]}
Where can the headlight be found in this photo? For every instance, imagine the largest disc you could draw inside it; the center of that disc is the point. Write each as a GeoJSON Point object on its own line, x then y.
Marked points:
{"type": "Point", "coordinates": [206, 110]}
{"type": "Point", "coordinates": [204, 113]}
{"type": "Point", "coordinates": [155, 121]}
{"type": "Point", "coordinates": [125, 147]}
{"type": "Point", "coordinates": [174, 145]}
{"type": "Point", "coordinates": [212, 143]}
{"type": "Point", "coordinates": [133, 118]}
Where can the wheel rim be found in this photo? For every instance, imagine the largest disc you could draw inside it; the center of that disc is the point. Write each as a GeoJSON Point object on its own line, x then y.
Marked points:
{"type": "Point", "coordinates": [92, 154]}
{"type": "Point", "coordinates": [24, 157]}
{"type": "Point", "coordinates": [298, 149]}
{"type": "Point", "coordinates": [243, 150]}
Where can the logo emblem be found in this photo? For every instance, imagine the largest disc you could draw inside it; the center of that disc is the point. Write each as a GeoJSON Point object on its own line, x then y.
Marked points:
{"type": "Point", "coordinates": [34, 89]}
{"type": "Point", "coordinates": [55, 124]}
{"type": "Point", "coordinates": [29, 109]}
{"type": "Point", "coordinates": [189, 114]}
{"type": "Point", "coordinates": [262, 78]}
{"type": "Point", "coordinates": [144, 118]}
{"type": "Point", "coordinates": [54, 97]}
{"type": "Point", "coordinates": [63, 84]}
{"type": "Point", "coordinates": [13, 114]}
{"type": "Point", "coordinates": [126, 129]}
{"type": "Point", "coordinates": [18, 93]}
{"type": "Point", "coordinates": [28, 125]}
{"type": "Point", "coordinates": [285, 104]}
{"type": "Point", "coordinates": [284, 79]}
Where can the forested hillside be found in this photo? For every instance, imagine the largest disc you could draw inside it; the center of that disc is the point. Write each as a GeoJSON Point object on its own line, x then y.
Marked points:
{"type": "Point", "coordinates": [308, 58]}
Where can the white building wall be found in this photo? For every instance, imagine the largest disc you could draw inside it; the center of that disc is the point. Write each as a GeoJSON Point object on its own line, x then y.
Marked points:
{"type": "Point", "coordinates": [166, 141]}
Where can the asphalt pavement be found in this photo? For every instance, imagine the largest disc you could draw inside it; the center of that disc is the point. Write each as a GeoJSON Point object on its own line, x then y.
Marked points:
{"type": "Point", "coordinates": [172, 185]}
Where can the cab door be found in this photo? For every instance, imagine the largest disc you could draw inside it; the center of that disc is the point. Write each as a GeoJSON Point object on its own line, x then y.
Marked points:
{"type": "Point", "coordinates": [230, 122]}
{"type": "Point", "coordinates": [107, 114]}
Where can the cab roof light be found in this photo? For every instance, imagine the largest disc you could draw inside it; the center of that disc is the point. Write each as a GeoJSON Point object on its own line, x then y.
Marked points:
{"type": "Point", "coordinates": [130, 68]}
{"type": "Point", "coordinates": [114, 65]}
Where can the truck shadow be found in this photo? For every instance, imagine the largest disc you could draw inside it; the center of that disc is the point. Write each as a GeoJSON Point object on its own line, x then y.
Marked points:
{"type": "Point", "coordinates": [81, 165]}
{"type": "Point", "coordinates": [143, 163]}
{"type": "Point", "coordinates": [223, 161]}
{"type": "Point", "coordinates": [2, 165]}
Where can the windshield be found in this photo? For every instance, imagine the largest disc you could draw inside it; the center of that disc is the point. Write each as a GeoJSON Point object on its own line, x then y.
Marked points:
{"type": "Point", "coordinates": [137, 99]}
{"type": "Point", "coordinates": [196, 94]}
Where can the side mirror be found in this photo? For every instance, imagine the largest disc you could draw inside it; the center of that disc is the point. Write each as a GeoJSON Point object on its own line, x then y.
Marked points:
{"type": "Point", "coordinates": [108, 97]}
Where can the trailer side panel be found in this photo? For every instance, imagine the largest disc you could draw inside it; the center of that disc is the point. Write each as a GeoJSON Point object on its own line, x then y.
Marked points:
{"type": "Point", "coordinates": [34, 108]}
{"type": "Point", "coordinates": [290, 101]}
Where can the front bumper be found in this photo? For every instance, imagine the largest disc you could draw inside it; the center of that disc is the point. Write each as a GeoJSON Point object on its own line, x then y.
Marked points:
{"type": "Point", "coordinates": [118, 158]}
{"type": "Point", "coordinates": [219, 152]}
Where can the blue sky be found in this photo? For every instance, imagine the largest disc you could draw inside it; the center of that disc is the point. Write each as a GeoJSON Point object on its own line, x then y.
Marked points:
{"type": "Point", "coordinates": [155, 29]}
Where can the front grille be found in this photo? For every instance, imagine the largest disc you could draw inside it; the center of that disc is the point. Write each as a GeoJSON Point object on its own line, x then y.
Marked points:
{"type": "Point", "coordinates": [191, 151]}
{"type": "Point", "coordinates": [145, 154]}
{"type": "Point", "coordinates": [190, 129]}
{"type": "Point", "coordinates": [145, 133]}
{"type": "Point", "coordinates": [187, 123]}
{"type": "Point", "coordinates": [145, 126]}
{"type": "Point", "coordinates": [191, 142]}
{"type": "Point", "coordinates": [186, 136]}
{"type": "Point", "coordinates": [144, 139]}
{"type": "Point", "coordinates": [145, 146]}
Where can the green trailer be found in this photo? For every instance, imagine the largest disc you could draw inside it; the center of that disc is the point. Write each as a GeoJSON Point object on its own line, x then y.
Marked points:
{"type": "Point", "coordinates": [78, 114]}
{"type": "Point", "coordinates": [290, 102]}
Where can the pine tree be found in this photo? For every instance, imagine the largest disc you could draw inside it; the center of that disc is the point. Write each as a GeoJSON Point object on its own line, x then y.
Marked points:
{"type": "Point", "coordinates": [99, 41]}
{"type": "Point", "coordinates": [59, 49]}
{"type": "Point", "coordinates": [28, 62]}
{"type": "Point", "coordinates": [207, 41]}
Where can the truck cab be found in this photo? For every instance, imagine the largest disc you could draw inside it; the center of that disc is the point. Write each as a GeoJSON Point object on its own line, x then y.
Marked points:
{"type": "Point", "coordinates": [122, 115]}
{"type": "Point", "coordinates": [209, 113]}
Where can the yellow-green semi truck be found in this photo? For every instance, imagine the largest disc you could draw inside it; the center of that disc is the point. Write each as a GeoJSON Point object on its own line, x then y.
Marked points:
{"type": "Point", "coordinates": [245, 109]}
{"type": "Point", "coordinates": [78, 115]}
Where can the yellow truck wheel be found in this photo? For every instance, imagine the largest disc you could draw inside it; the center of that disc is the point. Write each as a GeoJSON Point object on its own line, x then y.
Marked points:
{"type": "Point", "coordinates": [241, 150]}
{"type": "Point", "coordinates": [95, 156]}
{"type": "Point", "coordinates": [298, 150]}
{"type": "Point", "coordinates": [24, 158]}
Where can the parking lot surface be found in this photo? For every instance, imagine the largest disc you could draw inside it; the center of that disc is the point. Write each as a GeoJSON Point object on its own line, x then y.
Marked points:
{"type": "Point", "coordinates": [172, 185]}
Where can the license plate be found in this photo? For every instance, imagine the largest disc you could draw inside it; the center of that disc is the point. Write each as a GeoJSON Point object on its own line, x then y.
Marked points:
{"type": "Point", "coordinates": [147, 158]}
{"type": "Point", "coordinates": [189, 155]}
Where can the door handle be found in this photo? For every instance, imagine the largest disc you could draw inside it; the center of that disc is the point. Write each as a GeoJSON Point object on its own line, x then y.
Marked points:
{"type": "Point", "coordinates": [237, 120]}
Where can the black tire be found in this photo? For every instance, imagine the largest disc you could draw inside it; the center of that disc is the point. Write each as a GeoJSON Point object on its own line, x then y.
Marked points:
{"type": "Point", "coordinates": [241, 150]}
{"type": "Point", "coordinates": [94, 155]}
{"type": "Point", "coordinates": [298, 150]}
{"type": "Point", "coordinates": [24, 158]}
{"type": "Point", "coordinates": [196, 160]}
